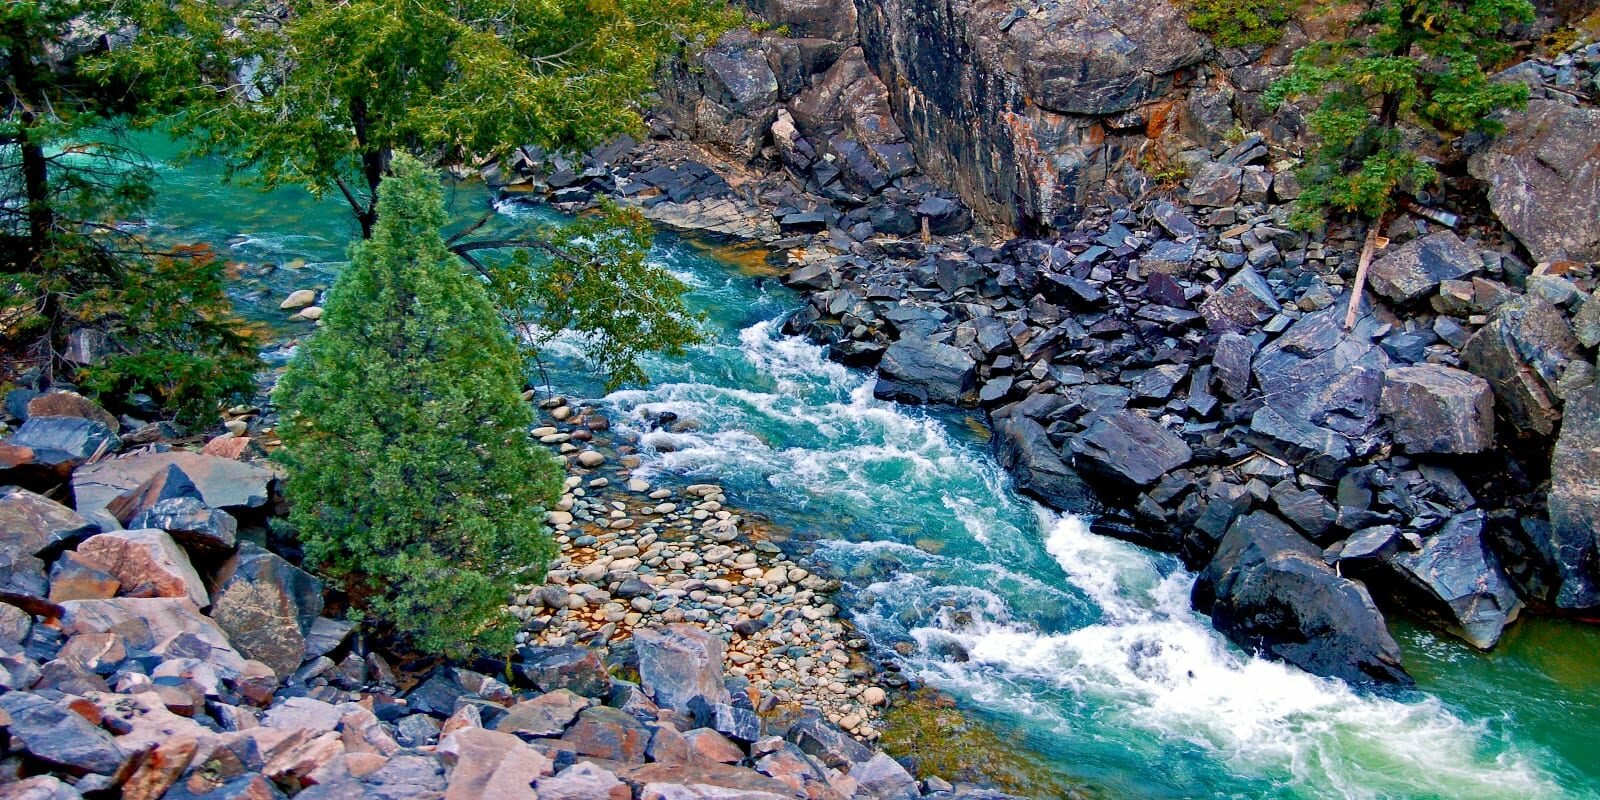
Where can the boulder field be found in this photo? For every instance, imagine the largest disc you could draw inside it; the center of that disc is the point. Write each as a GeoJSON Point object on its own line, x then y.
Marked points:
{"type": "Point", "coordinates": [961, 192]}
{"type": "Point", "coordinates": [156, 642]}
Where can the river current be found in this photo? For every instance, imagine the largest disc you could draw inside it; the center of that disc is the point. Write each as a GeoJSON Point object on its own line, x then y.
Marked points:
{"type": "Point", "coordinates": [1080, 648]}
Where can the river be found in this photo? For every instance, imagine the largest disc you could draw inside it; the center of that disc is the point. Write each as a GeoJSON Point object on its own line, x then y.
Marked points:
{"type": "Point", "coordinates": [1081, 648]}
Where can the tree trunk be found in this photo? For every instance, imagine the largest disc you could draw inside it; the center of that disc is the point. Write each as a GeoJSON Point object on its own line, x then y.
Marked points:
{"type": "Point", "coordinates": [374, 160]}
{"type": "Point", "coordinates": [1360, 287]}
{"type": "Point", "coordinates": [36, 189]}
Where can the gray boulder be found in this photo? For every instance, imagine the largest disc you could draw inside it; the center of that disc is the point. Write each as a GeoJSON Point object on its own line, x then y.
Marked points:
{"type": "Point", "coordinates": [1128, 450]}
{"type": "Point", "coordinates": [1438, 409]}
{"type": "Point", "coordinates": [223, 482]}
{"type": "Point", "coordinates": [821, 19]}
{"type": "Point", "coordinates": [36, 525]}
{"type": "Point", "coordinates": [1544, 179]}
{"type": "Point", "coordinates": [1317, 373]}
{"type": "Point", "coordinates": [1242, 303]}
{"type": "Point", "coordinates": [64, 441]}
{"type": "Point", "coordinates": [1024, 449]}
{"type": "Point", "coordinates": [1318, 451]}
{"type": "Point", "coordinates": [266, 606]}
{"type": "Point", "coordinates": [924, 371]}
{"type": "Point", "coordinates": [1269, 591]}
{"type": "Point", "coordinates": [1414, 270]}
{"type": "Point", "coordinates": [680, 663]}
{"type": "Point", "coordinates": [1458, 581]}
{"type": "Point", "coordinates": [1574, 505]}
{"type": "Point", "coordinates": [51, 731]}
{"type": "Point", "coordinates": [1531, 358]}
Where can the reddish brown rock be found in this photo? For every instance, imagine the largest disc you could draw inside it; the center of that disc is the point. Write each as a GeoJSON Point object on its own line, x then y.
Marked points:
{"type": "Point", "coordinates": [608, 733]}
{"type": "Point", "coordinates": [71, 404]}
{"type": "Point", "coordinates": [583, 781]}
{"type": "Point", "coordinates": [708, 745]}
{"type": "Point", "coordinates": [147, 622]}
{"type": "Point", "coordinates": [148, 563]}
{"type": "Point", "coordinates": [36, 525]}
{"type": "Point", "coordinates": [491, 766]}
{"type": "Point", "coordinates": [159, 768]}
{"type": "Point", "coordinates": [75, 576]}
{"type": "Point", "coordinates": [545, 715]}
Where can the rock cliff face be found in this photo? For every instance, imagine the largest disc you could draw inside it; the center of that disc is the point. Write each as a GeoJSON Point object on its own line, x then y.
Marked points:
{"type": "Point", "coordinates": [1024, 110]}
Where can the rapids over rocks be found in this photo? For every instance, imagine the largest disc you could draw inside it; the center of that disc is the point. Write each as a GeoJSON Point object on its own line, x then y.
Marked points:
{"type": "Point", "coordinates": [1081, 648]}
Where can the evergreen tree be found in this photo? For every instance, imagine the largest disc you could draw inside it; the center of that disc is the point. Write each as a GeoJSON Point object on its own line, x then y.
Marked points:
{"type": "Point", "coordinates": [1407, 72]}
{"type": "Point", "coordinates": [411, 471]}
{"type": "Point", "coordinates": [65, 262]}
{"type": "Point", "coordinates": [324, 93]}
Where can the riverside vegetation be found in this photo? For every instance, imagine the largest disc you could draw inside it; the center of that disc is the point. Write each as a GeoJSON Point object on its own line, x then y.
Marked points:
{"type": "Point", "coordinates": [1162, 356]}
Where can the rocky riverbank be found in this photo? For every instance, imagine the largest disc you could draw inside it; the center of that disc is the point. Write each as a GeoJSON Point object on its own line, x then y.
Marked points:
{"type": "Point", "coordinates": [637, 555]}
{"type": "Point", "coordinates": [156, 640]}
{"type": "Point", "coordinates": [1169, 355]}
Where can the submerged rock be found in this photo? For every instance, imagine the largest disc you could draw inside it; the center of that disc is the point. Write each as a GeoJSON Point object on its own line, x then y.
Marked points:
{"type": "Point", "coordinates": [1269, 591]}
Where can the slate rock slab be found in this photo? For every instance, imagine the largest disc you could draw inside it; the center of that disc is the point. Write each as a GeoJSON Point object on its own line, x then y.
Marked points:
{"type": "Point", "coordinates": [1129, 450]}
{"type": "Point", "coordinates": [1437, 409]}
{"type": "Point", "coordinates": [1460, 581]}
{"type": "Point", "coordinates": [223, 483]}
{"type": "Point", "coordinates": [679, 663]}
{"type": "Point", "coordinates": [1414, 270]}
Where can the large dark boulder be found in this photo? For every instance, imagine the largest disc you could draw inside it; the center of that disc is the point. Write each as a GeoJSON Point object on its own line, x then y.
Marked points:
{"type": "Point", "coordinates": [1269, 591]}
{"type": "Point", "coordinates": [1414, 270]}
{"type": "Point", "coordinates": [50, 730]}
{"type": "Point", "coordinates": [1319, 374]}
{"type": "Point", "coordinates": [37, 525]}
{"type": "Point", "coordinates": [1526, 352]}
{"type": "Point", "coordinates": [1438, 409]}
{"type": "Point", "coordinates": [64, 441]}
{"type": "Point", "coordinates": [1128, 451]}
{"type": "Point", "coordinates": [1572, 540]}
{"type": "Point", "coordinates": [1544, 179]}
{"type": "Point", "coordinates": [266, 606]}
{"type": "Point", "coordinates": [1458, 583]}
{"type": "Point", "coordinates": [1024, 449]}
{"type": "Point", "coordinates": [919, 370]}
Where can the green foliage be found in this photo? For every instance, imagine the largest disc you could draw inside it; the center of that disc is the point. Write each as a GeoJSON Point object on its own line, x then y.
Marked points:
{"type": "Point", "coordinates": [65, 184]}
{"type": "Point", "coordinates": [175, 334]}
{"type": "Point", "coordinates": [406, 438]}
{"type": "Point", "coordinates": [1409, 69]}
{"type": "Point", "coordinates": [592, 277]}
{"type": "Point", "coordinates": [1237, 23]}
{"type": "Point", "coordinates": [337, 87]}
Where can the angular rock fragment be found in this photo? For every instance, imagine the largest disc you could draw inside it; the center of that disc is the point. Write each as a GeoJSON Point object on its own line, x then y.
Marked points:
{"type": "Point", "coordinates": [1438, 409]}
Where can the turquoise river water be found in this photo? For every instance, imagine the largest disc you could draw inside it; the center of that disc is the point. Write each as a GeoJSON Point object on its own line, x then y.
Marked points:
{"type": "Point", "coordinates": [1080, 647]}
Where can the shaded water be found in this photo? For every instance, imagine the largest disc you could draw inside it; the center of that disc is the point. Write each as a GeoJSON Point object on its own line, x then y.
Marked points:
{"type": "Point", "coordinates": [1083, 648]}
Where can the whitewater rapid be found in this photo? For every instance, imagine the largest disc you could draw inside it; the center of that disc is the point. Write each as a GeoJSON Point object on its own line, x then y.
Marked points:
{"type": "Point", "coordinates": [1029, 615]}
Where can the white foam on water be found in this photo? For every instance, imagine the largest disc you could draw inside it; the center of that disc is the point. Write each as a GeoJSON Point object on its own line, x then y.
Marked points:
{"type": "Point", "coordinates": [1153, 664]}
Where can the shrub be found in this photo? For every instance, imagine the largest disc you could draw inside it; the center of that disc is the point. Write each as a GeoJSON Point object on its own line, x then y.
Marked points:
{"type": "Point", "coordinates": [1408, 71]}
{"type": "Point", "coordinates": [1237, 23]}
{"type": "Point", "coordinates": [412, 475]}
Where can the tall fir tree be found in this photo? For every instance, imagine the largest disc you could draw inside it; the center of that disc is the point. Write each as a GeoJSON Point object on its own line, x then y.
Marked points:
{"type": "Point", "coordinates": [411, 472]}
